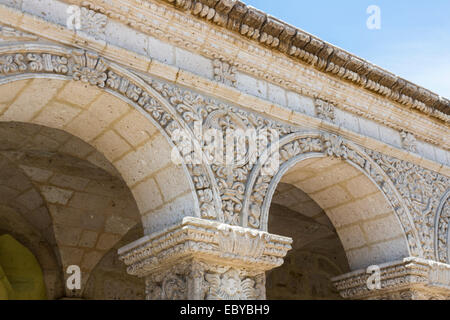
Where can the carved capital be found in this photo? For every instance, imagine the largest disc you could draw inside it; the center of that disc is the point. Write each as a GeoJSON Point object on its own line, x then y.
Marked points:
{"type": "Point", "coordinates": [200, 259]}
{"type": "Point", "coordinates": [407, 279]}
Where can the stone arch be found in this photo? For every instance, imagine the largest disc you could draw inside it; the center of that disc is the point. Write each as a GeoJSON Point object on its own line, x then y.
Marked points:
{"type": "Point", "coordinates": [442, 231]}
{"type": "Point", "coordinates": [303, 147]}
{"type": "Point", "coordinates": [50, 67]}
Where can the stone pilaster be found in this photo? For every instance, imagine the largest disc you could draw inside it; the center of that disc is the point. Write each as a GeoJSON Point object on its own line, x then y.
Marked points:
{"type": "Point", "coordinates": [200, 259]}
{"type": "Point", "coordinates": [407, 279]}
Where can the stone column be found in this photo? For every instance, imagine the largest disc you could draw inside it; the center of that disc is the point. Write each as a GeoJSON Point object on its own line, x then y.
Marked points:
{"type": "Point", "coordinates": [408, 279]}
{"type": "Point", "coordinates": [199, 259]}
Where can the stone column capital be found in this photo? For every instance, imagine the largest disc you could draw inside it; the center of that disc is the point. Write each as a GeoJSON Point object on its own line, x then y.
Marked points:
{"type": "Point", "coordinates": [408, 279]}
{"type": "Point", "coordinates": [201, 259]}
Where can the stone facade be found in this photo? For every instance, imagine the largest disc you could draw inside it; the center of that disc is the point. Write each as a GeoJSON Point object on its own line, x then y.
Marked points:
{"type": "Point", "coordinates": [89, 117]}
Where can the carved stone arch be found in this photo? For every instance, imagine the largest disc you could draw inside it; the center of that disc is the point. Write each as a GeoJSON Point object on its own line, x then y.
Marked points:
{"type": "Point", "coordinates": [300, 146]}
{"type": "Point", "coordinates": [442, 231]}
{"type": "Point", "coordinates": [55, 62]}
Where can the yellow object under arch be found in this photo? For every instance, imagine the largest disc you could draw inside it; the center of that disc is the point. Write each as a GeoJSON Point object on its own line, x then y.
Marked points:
{"type": "Point", "coordinates": [21, 276]}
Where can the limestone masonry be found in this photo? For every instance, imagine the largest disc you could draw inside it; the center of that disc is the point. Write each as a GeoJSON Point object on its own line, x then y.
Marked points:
{"type": "Point", "coordinates": [93, 97]}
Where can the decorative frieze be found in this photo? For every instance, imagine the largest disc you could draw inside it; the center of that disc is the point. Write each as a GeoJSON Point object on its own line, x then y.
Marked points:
{"type": "Point", "coordinates": [408, 279]}
{"type": "Point", "coordinates": [201, 259]}
{"type": "Point", "coordinates": [280, 75]}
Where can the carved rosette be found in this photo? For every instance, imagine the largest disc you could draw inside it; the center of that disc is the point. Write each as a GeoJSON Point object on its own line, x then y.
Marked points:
{"type": "Point", "coordinates": [93, 23]}
{"type": "Point", "coordinates": [408, 279]}
{"type": "Point", "coordinates": [409, 141]}
{"type": "Point", "coordinates": [201, 259]}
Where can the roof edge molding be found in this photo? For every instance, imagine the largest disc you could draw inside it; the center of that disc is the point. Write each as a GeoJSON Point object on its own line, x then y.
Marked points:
{"type": "Point", "coordinates": [302, 46]}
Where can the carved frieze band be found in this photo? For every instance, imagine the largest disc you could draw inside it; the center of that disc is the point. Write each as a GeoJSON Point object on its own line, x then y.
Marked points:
{"type": "Point", "coordinates": [411, 278]}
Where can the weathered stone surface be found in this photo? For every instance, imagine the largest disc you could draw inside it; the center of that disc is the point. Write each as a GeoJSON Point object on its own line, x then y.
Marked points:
{"type": "Point", "coordinates": [89, 120]}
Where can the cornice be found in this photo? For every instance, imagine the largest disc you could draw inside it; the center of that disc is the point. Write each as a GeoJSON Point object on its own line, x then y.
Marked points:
{"type": "Point", "coordinates": [302, 46]}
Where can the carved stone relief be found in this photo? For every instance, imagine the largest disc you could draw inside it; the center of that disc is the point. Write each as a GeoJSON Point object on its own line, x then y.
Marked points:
{"type": "Point", "coordinates": [93, 23]}
{"type": "Point", "coordinates": [235, 195]}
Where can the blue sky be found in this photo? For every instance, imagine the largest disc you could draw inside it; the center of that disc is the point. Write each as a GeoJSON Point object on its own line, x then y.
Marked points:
{"type": "Point", "coordinates": [413, 42]}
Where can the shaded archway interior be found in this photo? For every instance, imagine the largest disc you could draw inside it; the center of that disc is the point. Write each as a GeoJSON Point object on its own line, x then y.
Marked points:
{"type": "Point", "coordinates": [65, 202]}
{"type": "Point", "coordinates": [339, 221]}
